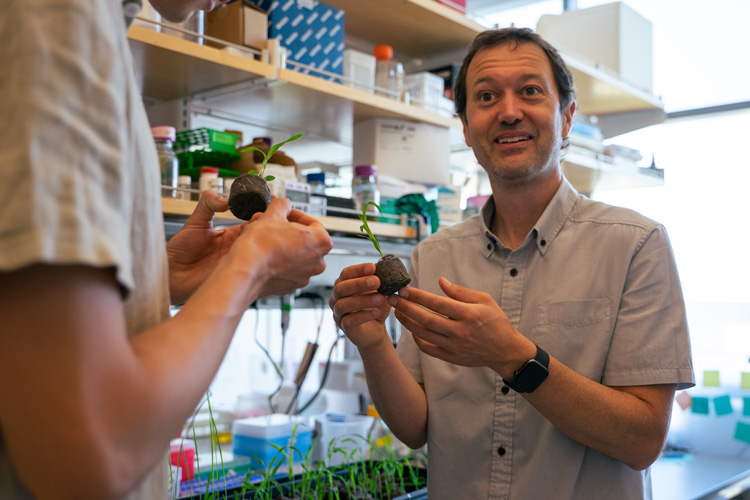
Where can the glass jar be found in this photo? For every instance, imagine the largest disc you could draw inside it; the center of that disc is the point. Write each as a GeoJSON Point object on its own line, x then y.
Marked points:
{"type": "Point", "coordinates": [365, 186]}
{"type": "Point", "coordinates": [164, 137]}
{"type": "Point", "coordinates": [318, 200]}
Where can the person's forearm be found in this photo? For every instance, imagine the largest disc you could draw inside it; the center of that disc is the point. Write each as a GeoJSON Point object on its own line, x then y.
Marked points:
{"type": "Point", "coordinates": [628, 424]}
{"type": "Point", "coordinates": [399, 399]}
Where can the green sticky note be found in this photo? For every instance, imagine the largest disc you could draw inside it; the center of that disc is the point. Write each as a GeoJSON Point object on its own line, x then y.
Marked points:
{"type": "Point", "coordinates": [700, 405]}
{"type": "Point", "coordinates": [746, 407]}
{"type": "Point", "coordinates": [723, 405]}
{"type": "Point", "coordinates": [745, 381]}
{"type": "Point", "coordinates": [742, 432]}
{"type": "Point", "coordinates": [711, 378]}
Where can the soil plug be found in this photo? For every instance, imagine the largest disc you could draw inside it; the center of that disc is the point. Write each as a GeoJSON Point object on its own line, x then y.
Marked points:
{"type": "Point", "coordinates": [250, 192]}
{"type": "Point", "coordinates": [389, 269]}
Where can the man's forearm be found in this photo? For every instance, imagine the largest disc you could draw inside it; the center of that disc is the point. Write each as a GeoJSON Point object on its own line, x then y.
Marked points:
{"type": "Point", "coordinates": [626, 423]}
{"type": "Point", "coordinates": [399, 399]}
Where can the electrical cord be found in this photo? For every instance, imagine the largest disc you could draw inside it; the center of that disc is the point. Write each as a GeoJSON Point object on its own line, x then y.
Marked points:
{"type": "Point", "coordinates": [325, 374]}
{"type": "Point", "coordinates": [310, 350]}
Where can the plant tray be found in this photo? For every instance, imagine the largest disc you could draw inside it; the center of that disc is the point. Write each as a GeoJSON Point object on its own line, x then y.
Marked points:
{"type": "Point", "coordinates": [204, 146]}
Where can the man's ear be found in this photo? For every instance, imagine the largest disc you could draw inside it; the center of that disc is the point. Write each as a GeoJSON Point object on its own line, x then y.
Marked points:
{"type": "Point", "coordinates": [567, 118]}
{"type": "Point", "coordinates": [466, 131]}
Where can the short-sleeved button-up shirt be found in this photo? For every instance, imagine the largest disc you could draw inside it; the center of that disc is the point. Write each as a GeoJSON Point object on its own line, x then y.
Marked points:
{"type": "Point", "coordinates": [594, 285]}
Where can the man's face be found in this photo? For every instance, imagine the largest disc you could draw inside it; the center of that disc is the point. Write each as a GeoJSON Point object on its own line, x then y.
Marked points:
{"type": "Point", "coordinates": [178, 11]}
{"type": "Point", "coordinates": [513, 118]}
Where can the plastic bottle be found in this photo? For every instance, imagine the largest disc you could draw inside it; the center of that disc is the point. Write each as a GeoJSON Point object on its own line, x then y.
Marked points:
{"type": "Point", "coordinates": [365, 186]}
{"type": "Point", "coordinates": [164, 137]}
{"type": "Point", "coordinates": [389, 74]}
{"type": "Point", "coordinates": [207, 175]}
{"type": "Point", "coordinates": [184, 182]}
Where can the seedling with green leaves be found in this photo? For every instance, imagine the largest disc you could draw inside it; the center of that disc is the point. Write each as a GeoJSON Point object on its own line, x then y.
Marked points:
{"type": "Point", "coordinates": [250, 193]}
{"type": "Point", "coordinates": [389, 269]}
{"type": "Point", "coordinates": [267, 156]}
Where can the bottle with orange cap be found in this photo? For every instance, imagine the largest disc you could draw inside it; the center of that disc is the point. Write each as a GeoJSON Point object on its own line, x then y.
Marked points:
{"type": "Point", "coordinates": [389, 73]}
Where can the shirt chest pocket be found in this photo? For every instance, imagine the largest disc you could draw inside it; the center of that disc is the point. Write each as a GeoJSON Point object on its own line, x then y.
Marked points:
{"type": "Point", "coordinates": [577, 332]}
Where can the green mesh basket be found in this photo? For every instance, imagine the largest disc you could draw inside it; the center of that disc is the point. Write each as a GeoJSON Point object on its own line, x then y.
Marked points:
{"type": "Point", "coordinates": [204, 146]}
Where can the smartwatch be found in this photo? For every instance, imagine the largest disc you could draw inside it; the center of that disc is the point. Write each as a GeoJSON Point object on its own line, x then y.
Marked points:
{"type": "Point", "coordinates": [531, 374]}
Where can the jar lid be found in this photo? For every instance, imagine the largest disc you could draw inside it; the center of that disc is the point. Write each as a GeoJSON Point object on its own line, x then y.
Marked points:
{"type": "Point", "coordinates": [383, 52]}
{"type": "Point", "coordinates": [164, 132]}
{"type": "Point", "coordinates": [316, 177]}
{"type": "Point", "coordinates": [209, 170]}
{"type": "Point", "coordinates": [365, 170]}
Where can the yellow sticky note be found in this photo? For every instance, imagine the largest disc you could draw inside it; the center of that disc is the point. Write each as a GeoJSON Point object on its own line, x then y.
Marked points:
{"type": "Point", "coordinates": [711, 378]}
{"type": "Point", "coordinates": [745, 381]}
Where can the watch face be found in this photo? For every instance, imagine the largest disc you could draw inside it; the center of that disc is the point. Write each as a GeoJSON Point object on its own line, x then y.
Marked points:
{"type": "Point", "coordinates": [530, 376]}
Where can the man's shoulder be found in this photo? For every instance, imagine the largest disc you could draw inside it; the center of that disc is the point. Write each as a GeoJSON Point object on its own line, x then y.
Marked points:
{"type": "Point", "coordinates": [588, 210]}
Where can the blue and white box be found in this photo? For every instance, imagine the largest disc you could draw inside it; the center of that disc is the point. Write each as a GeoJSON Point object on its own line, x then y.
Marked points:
{"type": "Point", "coordinates": [258, 437]}
{"type": "Point", "coordinates": [312, 33]}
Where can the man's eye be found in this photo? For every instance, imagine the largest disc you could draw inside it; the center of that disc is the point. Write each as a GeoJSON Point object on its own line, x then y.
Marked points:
{"type": "Point", "coordinates": [485, 96]}
{"type": "Point", "coordinates": [532, 91]}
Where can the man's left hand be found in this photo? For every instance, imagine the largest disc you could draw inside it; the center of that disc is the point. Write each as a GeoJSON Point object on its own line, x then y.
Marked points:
{"type": "Point", "coordinates": [465, 328]}
{"type": "Point", "coordinates": [197, 248]}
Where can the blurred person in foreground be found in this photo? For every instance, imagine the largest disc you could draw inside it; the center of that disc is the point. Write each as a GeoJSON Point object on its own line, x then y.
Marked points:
{"type": "Point", "coordinates": [95, 377]}
{"type": "Point", "coordinates": [547, 335]}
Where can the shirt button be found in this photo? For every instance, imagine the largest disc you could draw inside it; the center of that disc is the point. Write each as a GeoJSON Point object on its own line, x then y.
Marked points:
{"type": "Point", "coordinates": [489, 246]}
{"type": "Point", "coordinates": [505, 389]}
{"type": "Point", "coordinates": [501, 451]}
{"type": "Point", "coordinates": [543, 242]}
{"type": "Point", "coordinates": [514, 272]}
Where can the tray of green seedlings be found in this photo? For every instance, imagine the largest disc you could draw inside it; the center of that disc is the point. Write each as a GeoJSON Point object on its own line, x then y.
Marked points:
{"type": "Point", "coordinates": [204, 146]}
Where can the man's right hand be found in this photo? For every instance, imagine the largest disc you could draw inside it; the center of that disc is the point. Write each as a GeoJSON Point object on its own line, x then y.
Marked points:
{"type": "Point", "coordinates": [357, 307]}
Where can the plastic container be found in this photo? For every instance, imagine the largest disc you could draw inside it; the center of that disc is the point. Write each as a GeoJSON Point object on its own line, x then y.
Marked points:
{"type": "Point", "coordinates": [389, 74]}
{"type": "Point", "coordinates": [359, 70]}
{"type": "Point", "coordinates": [182, 455]}
{"type": "Point", "coordinates": [341, 436]}
{"type": "Point", "coordinates": [365, 186]}
{"type": "Point", "coordinates": [164, 137]}
{"type": "Point", "coordinates": [208, 174]}
{"type": "Point", "coordinates": [251, 438]}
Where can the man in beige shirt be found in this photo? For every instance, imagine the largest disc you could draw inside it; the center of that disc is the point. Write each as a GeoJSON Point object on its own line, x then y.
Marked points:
{"type": "Point", "coordinates": [546, 336]}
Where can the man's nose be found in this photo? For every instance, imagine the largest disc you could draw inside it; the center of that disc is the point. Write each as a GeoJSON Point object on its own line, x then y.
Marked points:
{"type": "Point", "coordinates": [509, 110]}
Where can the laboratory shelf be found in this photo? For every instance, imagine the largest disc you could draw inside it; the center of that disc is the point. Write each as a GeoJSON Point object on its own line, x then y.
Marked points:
{"type": "Point", "coordinates": [588, 171]}
{"type": "Point", "coordinates": [169, 67]}
{"type": "Point", "coordinates": [415, 28]}
{"type": "Point", "coordinates": [181, 209]}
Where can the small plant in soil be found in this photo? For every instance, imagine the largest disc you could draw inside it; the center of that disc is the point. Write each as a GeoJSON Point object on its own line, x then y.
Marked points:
{"type": "Point", "coordinates": [250, 193]}
{"type": "Point", "coordinates": [391, 271]}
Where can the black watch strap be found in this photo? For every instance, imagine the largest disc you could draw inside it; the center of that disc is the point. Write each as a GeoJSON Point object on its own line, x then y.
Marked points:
{"type": "Point", "coordinates": [531, 375]}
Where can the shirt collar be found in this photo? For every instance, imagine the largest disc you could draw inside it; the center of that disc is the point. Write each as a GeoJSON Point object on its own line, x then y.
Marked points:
{"type": "Point", "coordinates": [546, 228]}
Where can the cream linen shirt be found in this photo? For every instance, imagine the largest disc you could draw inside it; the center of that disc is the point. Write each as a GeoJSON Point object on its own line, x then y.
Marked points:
{"type": "Point", "coordinates": [80, 171]}
{"type": "Point", "coordinates": [595, 286]}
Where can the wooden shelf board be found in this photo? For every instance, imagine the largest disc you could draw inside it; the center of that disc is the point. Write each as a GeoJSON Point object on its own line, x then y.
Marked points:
{"type": "Point", "coordinates": [170, 67]}
{"type": "Point", "coordinates": [416, 28]}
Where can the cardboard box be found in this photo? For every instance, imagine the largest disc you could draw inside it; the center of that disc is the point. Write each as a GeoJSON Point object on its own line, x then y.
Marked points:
{"type": "Point", "coordinates": [359, 69]}
{"type": "Point", "coordinates": [239, 23]}
{"type": "Point", "coordinates": [251, 438]}
{"type": "Point", "coordinates": [613, 35]}
{"type": "Point", "coordinates": [416, 152]}
{"type": "Point", "coordinates": [312, 33]}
